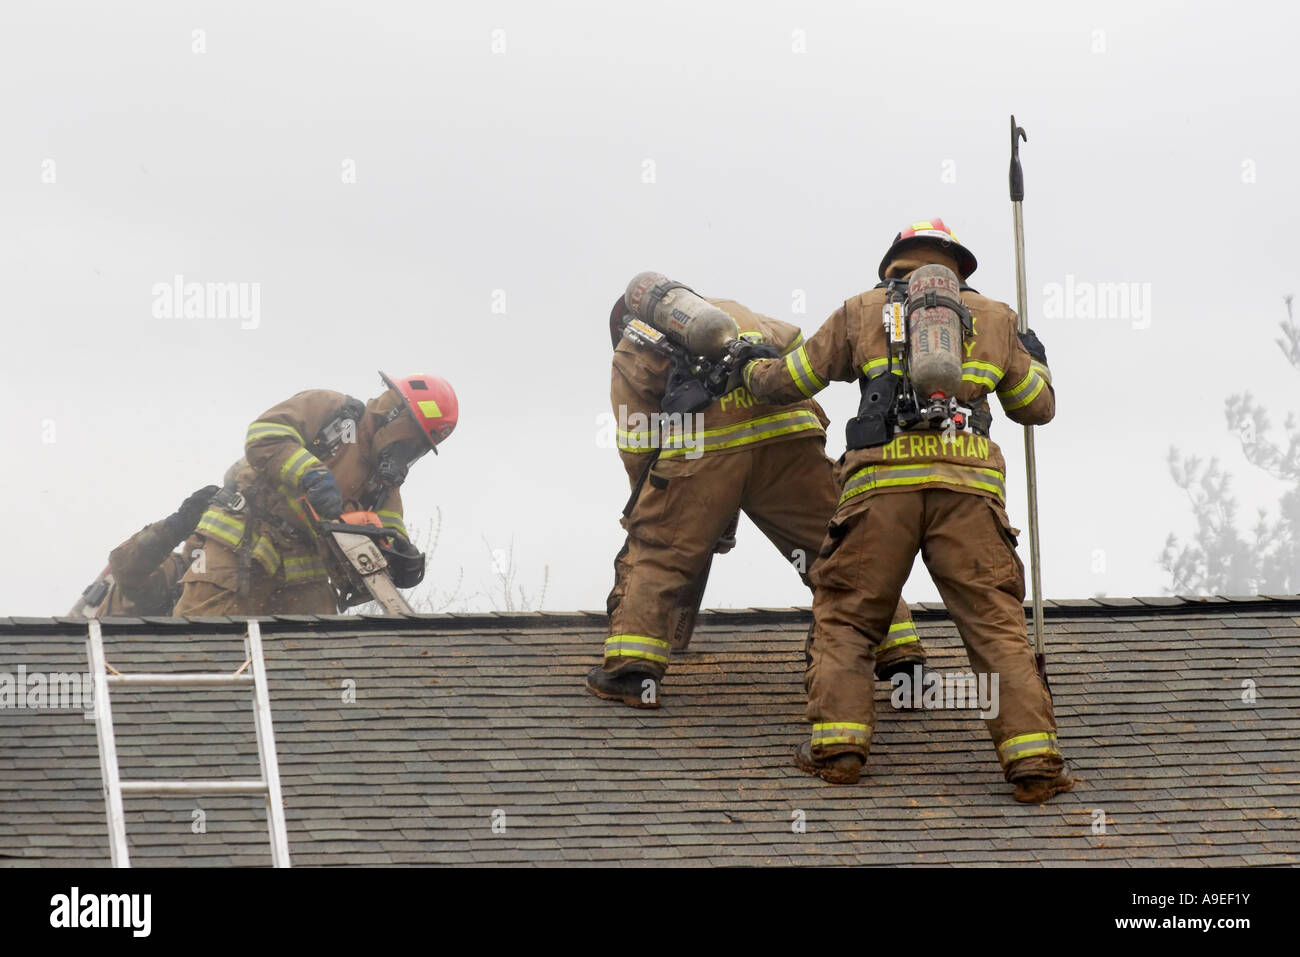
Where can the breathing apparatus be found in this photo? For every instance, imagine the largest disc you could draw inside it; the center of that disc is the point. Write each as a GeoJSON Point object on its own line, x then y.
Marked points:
{"type": "Point", "coordinates": [925, 327]}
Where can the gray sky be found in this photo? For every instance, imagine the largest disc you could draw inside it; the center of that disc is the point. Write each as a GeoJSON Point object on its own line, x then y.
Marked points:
{"type": "Point", "coordinates": [788, 146]}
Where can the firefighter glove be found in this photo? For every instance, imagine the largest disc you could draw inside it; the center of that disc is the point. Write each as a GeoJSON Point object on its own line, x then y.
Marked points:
{"type": "Point", "coordinates": [405, 562]}
{"type": "Point", "coordinates": [1033, 345]}
{"type": "Point", "coordinates": [183, 521]}
{"type": "Point", "coordinates": [742, 352]}
{"type": "Point", "coordinates": [726, 374]}
{"type": "Point", "coordinates": [323, 493]}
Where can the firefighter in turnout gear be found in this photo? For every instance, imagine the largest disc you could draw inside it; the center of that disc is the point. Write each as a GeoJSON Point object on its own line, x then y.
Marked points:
{"type": "Point", "coordinates": [921, 485]}
{"type": "Point", "coordinates": [144, 572]}
{"type": "Point", "coordinates": [321, 452]}
{"type": "Point", "coordinates": [691, 474]}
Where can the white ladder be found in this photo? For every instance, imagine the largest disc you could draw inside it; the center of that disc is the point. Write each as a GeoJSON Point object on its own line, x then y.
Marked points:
{"type": "Point", "coordinates": [115, 787]}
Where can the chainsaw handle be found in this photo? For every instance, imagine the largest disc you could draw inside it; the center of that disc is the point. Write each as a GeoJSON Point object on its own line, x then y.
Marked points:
{"type": "Point", "coordinates": [369, 531]}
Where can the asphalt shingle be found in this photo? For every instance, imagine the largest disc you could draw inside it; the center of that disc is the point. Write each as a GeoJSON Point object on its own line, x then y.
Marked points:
{"type": "Point", "coordinates": [471, 741]}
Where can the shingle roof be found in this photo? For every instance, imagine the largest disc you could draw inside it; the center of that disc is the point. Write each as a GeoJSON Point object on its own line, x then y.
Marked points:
{"type": "Point", "coordinates": [458, 717]}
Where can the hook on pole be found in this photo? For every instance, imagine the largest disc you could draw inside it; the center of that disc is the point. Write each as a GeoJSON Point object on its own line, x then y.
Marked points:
{"type": "Point", "coordinates": [1017, 174]}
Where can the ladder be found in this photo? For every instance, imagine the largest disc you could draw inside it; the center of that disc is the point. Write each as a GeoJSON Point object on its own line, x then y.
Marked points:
{"type": "Point", "coordinates": [115, 788]}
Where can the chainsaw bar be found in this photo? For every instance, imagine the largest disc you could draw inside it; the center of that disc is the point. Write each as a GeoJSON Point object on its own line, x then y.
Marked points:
{"type": "Point", "coordinates": [368, 569]}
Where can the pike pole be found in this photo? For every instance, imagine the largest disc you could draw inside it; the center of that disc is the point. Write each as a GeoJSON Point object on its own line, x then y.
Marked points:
{"type": "Point", "coordinates": [1017, 178]}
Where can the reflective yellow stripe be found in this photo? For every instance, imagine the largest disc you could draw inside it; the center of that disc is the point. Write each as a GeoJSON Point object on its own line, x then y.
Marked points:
{"type": "Point", "coordinates": [303, 568]}
{"type": "Point", "coordinates": [222, 527]}
{"type": "Point", "coordinates": [1038, 387]}
{"type": "Point", "coordinates": [818, 382]}
{"type": "Point", "coordinates": [640, 441]}
{"type": "Point", "coordinates": [801, 371]}
{"type": "Point", "coordinates": [266, 555]}
{"type": "Point", "coordinates": [889, 643]}
{"type": "Point", "coordinates": [900, 633]}
{"type": "Point", "coordinates": [637, 646]}
{"type": "Point", "coordinates": [230, 529]}
{"type": "Point", "coordinates": [876, 366]}
{"type": "Point", "coordinates": [296, 466]}
{"type": "Point", "coordinates": [1024, 391]}
{"type": "Point", "coordinates": [798, 342]}
{"type": "Point", "coordinates": [791, 366]}
{"type": "Point", "coordinates": [263, 430]}
{"type": "Point", "coordinates": [1041, 369]}
{"type": "Point", "coordinates": [1027, 746]}
{"type": "Point", "coordinates": [306, 464]}
{"type": "Point", "coordinates": [981, 373]}
{"type": "Point", "coordinates": [742, 433]}
{"type": "Point", "coordinates": [840, 732]}
{"type": "Point", "coordinates": [393, 520]}
{"type": "Point", "coordinates": [943, 473]}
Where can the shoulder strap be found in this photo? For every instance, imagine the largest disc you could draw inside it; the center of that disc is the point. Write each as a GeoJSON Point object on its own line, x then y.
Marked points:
{"type": "Point", "coordinates": [897, 289]}
{"type": "Point", "coordinates": [331, 434]}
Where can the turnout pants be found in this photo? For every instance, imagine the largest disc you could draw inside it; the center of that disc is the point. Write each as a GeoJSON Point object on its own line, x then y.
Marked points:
{"type": "Point", "coordinates": [215, 590]}
{"type": "Point", "coordinates": [968, 546]}
{"type": "Point", "coordinates": [787, 489]}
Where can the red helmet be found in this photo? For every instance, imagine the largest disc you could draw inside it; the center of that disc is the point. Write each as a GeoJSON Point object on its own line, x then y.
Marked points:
{"type": "Point", "coordinates": [931, 231]}
{"type": "Point", "coordinates": [431, 400]}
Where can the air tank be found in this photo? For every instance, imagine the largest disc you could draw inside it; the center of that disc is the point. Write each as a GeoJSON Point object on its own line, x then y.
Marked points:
{"type": "Point", "coordinates": [934, 333]}
{"type": "Point", "coordinates": [687, 319]}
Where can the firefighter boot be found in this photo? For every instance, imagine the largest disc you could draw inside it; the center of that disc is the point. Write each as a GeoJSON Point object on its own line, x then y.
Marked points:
{"type": "Point", "coordinates": [886, 671]}
{"type": "Point", "coordinates": [636, 689]}
{"type": "Point", "coordinates": [917, 674]}
{"type": "Point", "coordinates": [1038, 789]}
{"type": "Point", "coordinates": [843, 768]}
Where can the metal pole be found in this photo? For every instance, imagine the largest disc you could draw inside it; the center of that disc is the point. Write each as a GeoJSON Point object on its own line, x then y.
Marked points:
{"type": "Point", "coordinates": [1017, 179]}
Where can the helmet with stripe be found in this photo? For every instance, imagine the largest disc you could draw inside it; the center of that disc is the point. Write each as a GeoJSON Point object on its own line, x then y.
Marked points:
{"type": "Point", "coordinates": [927, 232]}
{"type": "Point", "coordinates": [431, 401]}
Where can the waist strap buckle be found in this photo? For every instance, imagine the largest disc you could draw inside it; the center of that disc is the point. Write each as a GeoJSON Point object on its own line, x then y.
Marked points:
{"type": "Point", "coordinates": [230, 499]}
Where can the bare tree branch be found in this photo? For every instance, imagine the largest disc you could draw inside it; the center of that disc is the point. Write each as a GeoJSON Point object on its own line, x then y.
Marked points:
{"type": "Point", "coordinates": [1219, 559]}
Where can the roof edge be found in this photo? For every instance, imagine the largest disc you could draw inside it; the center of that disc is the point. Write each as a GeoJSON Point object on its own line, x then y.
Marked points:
{"type": "Point", "coordinates": [1060, 609]}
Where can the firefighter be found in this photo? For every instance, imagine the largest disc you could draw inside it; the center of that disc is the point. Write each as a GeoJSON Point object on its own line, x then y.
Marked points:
{"type": "Point", "coordinates": [143, 576]}
{"type": "Point", "coordinates": [321, 452]}
{"type": "Point", "coordinates": [939, 494]}
{"type": "Point", "coordinates": [737, 454]}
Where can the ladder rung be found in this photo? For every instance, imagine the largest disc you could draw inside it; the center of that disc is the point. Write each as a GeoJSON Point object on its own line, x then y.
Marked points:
{"type": "Point", "coordinates": [196, 680]}
{"type": "Point", "coordinates": [115, 789]}
{"type": "Point", "coordinates": [159, 788]}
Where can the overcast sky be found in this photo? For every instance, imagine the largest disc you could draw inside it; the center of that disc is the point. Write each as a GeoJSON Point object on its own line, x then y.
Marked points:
{"type": "Point", "coordinates": [463, 189]}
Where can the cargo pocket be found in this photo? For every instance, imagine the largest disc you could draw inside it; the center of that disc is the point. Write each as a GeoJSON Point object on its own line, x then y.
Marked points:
{"type": "Point", "coordinates": [1011, 574]}
{"type": "Point", "coordinates": [664, 500]}
{"type": "Point", "coordinates": [833, 568]}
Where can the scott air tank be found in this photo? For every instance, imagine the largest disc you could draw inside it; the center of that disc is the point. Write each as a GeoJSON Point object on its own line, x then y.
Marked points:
{"type": "Point", "coordinates": [687, 319]}
{"type": "Point", "coordinates": [934, 333]}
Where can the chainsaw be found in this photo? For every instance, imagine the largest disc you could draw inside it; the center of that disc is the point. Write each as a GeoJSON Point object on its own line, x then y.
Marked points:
{"type": "Point", "coordinates": [357, 540]}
